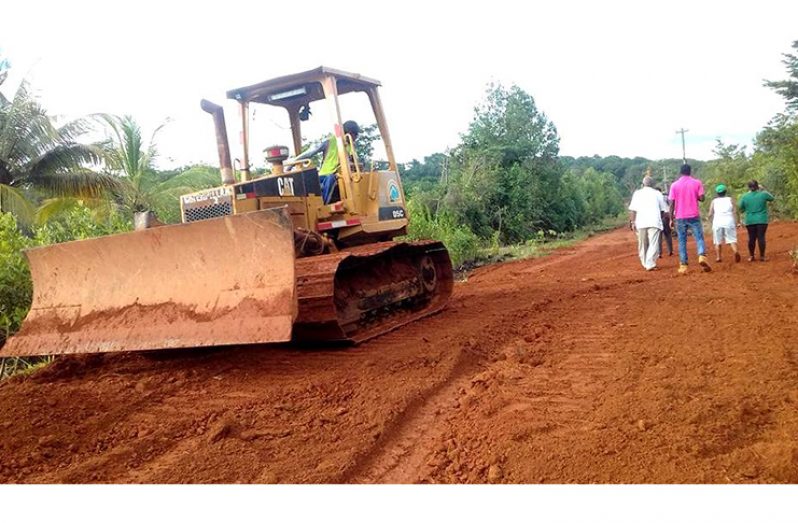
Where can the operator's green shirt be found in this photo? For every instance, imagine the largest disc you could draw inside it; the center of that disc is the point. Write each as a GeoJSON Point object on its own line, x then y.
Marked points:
{"type": "Point", "coordinates": [330, 163]}
{"type": "Point", "coordinates": [755, 206]}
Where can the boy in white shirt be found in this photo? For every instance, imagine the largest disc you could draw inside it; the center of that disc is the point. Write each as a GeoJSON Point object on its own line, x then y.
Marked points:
{"type": "Point", "coordinates": [724, 227]}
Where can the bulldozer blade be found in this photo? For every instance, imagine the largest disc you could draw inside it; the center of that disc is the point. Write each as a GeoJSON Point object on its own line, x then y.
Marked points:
{"type": "Point", "coordinates": [222, 281]}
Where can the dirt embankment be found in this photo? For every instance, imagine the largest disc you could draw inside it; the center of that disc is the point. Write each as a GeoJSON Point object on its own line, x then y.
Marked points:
{"type": "Point", "coordinates": [577, 367]}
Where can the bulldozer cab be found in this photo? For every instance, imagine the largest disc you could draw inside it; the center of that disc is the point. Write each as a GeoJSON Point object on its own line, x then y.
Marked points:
{"type": "Point", "coordinates": [371, 203]}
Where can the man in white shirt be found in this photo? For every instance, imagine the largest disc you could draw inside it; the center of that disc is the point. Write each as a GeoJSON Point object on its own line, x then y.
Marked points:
{"type": "Point", "coordinates": [645, 217]}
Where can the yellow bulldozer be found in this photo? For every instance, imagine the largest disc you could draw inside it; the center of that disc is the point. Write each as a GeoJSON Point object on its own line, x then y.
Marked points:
{"type": "Point", "coordinates": [257, 260]}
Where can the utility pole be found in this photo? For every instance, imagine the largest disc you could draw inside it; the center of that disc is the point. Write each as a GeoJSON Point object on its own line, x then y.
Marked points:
{"type": "Point", "coordinates": [684, 155]}
{"type": "Point", "coordinates": [665, 178]}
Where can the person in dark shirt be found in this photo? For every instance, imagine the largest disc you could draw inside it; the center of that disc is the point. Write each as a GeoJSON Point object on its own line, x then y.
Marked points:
{"type": "Point", "coordinates": [667, 232]}
{"type": "Point", "coordinates": [754, 204]}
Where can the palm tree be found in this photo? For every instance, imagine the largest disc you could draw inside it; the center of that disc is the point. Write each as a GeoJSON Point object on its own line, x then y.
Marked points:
{"type": "Point", "coordinates": [40, 158]}
{"type": "Point", "coordinates": [127, 157]}
{"type": "Point", "coordinates": [143, 189]}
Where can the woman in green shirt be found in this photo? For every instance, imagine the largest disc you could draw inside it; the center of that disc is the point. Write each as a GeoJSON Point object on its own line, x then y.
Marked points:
{"type": "Point", "coordinates": [754, 204]}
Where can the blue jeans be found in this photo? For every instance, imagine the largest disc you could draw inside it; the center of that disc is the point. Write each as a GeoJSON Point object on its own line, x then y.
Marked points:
{"type": "Point", "coordinates": [329, 183]}
{"type": "Point", "coordinates": [698, 233]}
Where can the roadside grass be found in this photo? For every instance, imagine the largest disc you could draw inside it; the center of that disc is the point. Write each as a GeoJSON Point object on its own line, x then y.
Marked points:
{"type": "Point", "coordinates": [536, 248]}
{"type": "Point", "coordinates": [22, 366]}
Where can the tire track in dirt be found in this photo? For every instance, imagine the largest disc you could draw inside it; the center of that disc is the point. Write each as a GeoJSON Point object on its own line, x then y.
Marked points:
{"type": "Point", "coordinates": [401, 450]}
{"type": "Point", "coordinates": [544, 386]}
{"type": "Point", "coordinates": [397, 454]}
{"type": "Point", "coordinates": [402, 455]}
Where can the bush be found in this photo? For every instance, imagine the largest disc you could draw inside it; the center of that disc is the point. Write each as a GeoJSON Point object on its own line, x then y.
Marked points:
{"type": "Point", "coordinates": [16, 288]}
{"type": "Point", "coordinates": [462, 243]}
{"type": "Point", "coordinates": [15, 282]}
{"type": "Point", "coordinates": [79, 223]}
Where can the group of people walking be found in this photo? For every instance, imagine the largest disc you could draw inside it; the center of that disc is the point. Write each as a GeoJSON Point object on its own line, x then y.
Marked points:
{"type": "Point", "coordinates": [652, 217]}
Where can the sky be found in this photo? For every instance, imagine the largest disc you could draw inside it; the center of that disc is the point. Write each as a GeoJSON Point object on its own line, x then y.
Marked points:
{"type": "Point", "coordinates": [615, 77]}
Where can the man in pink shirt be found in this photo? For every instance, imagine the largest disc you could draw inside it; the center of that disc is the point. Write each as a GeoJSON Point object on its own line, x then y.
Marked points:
{"type": "Point", "coordinates": [684, 196]}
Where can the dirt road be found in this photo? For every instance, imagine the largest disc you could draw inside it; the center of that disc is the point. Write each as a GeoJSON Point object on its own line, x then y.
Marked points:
{"type": "Point", "coordinates": [577, 367]}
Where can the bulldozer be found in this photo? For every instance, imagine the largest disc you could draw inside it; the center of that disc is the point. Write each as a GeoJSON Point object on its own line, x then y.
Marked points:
{"type": "Point", "coordinates": [259, 259]}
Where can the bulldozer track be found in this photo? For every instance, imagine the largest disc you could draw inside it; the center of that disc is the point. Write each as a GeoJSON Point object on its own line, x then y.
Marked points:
{"type": "Point", "coordinates": [366, 291]}
{"type": "Point", "coordinates": [578, 367]}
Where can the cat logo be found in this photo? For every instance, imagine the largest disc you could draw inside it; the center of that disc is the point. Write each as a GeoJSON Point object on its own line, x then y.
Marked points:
{"type": "Point", "coordinates": [393, 191]}
{"type": "Point", "coordinates": [285, 186]}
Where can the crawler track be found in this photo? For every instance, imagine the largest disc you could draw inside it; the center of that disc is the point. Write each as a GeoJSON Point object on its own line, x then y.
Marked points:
{"type": "Point", "coordinates": [366, 291]}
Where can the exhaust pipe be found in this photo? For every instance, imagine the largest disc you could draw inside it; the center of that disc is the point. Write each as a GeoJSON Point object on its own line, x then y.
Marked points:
{"type": "Point", "coordinates": [222, 144]}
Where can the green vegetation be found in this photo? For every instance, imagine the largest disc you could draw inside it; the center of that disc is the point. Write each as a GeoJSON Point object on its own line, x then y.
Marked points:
{"type": "Point", "coordinates": [22, 366]}
{"type": "Point", "coordinates": [628, 172]}
{"type": "Point", "coordinates": [15, 284]}
{"type": "Point", "coordinates": [504, 184]}
{"type": "Point", "coordinates": [774, 161]}
{"type": "Point", "coordinates": [462, 243]}
{"type": "Point", "coordinates": [76, 223]}
{"type": "Point", "coordinates": [40, 160]}
{"type": "Point", "coordinates": [141, 187]}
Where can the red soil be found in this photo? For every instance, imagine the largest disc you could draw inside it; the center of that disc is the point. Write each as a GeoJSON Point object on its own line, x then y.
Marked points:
{"type": "Point", "coordinates": [577, 367]}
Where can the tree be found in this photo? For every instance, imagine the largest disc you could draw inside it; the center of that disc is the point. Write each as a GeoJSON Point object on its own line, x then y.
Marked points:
{"type": "Point", "coordinates": [776, 154]}
{"type": "Point", "coordinates": [425, 182]}
{"type": "Point", "coordinates": [732, 167]}
{"type": "Point", "coordinates": [142, 188]}
{"type": "Point", "coordinates": [788, 88]}
{"type": "Point", "coordinates": [505, 172]}
{"type": "Point", "coordinates": [508, 125]}
{"type": "Point", "coordinates": [432, 168]}
{"type": "Point", "coordinates": [776, 160]}
{"type": "Point", "coordinates": [364, 145]}
{"type": "Point", "coordinates": [600, 195]}
{"type": "Point", "coordinates": [4, 66]}
{"type": "Point", "coordinates": [132, 161]}
{"type": "Point", "coordinates": [170, 185]}
{"type": "Point", "coordinates": [38, 157]}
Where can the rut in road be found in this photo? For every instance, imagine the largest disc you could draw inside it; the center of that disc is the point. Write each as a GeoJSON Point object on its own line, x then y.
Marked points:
{"type": "Point", "coordinates": [407, 453]}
